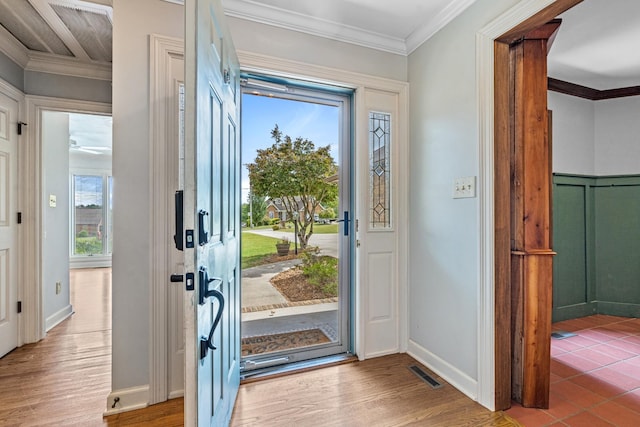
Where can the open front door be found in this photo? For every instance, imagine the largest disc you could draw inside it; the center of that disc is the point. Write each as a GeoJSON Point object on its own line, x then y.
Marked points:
{"type": "Point", "coordinates": [211, 220]}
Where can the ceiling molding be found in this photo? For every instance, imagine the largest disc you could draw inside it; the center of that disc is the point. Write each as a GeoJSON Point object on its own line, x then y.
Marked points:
{"type": "Point", "coordinates": [424, 33]}
{"type": "Point", "coordinates": [277, 17]}
{"type": "Point", "coordinates": [591, 94]}
{"type": "Point", "coordinates": [55, 64]}
{"type": "Point", "coordinates": [49, 15]}
{"type": "Point", "coordinates": [13, 48]}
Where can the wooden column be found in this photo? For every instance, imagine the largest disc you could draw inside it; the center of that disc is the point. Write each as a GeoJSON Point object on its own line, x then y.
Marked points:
{"type": "Point", "coordinates": [531, 253]}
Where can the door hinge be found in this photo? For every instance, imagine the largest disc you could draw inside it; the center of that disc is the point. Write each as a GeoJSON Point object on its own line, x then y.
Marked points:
{"type": "Point", "coordinates": [20, 124]}
{"type": "Point", "coordinates": [19, 306]}
{"type": "Point", "coordinates": [19, 217]}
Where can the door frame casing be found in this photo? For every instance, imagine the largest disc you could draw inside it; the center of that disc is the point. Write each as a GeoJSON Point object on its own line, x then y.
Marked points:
{"type": "Point", "coordinates": [30, 204]}
{"type": "Point", "coordinates": [264, 64]}
{"type": "Point", "coordinates": [162, 50]}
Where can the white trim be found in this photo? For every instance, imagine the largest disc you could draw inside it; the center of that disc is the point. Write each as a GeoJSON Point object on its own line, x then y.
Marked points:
{"type": "Point", "coordinates": [442, 368]}
{"type": "Point", "coordinates": [30, 203]}
{"type": "Point", "coordinates": [424, 33]}
{"type": "Point", "coordinates": [308, 24]}
{"type": "Point", "coordinates": [294, 69]}
{"type": "Point", "coordinates": [49, 63]}
{"type": "Point", "coordinates": [13, 48]}
{"type": "Point", "coordinates": [485, 97]}
{"type": "Point", "coordinates": [55, 319]}
{"type": "Point", "coordinates": [359, 82]}
{"type": "Point", "coordinates": [80, 261]}
{"type": "Point", "coordinates": [129, 399]}
{"type": "Point", "coordinates": [66, 66]}
{"type": "Point", "coordinates": [161, 50]}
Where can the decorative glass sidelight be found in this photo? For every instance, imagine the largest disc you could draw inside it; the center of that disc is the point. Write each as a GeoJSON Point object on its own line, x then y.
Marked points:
{"type": "Point", "coordinates": [379, 170]}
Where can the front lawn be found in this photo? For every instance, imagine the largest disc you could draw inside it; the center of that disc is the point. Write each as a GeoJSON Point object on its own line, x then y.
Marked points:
{"type": "Point", "coordinates": [255, 248]}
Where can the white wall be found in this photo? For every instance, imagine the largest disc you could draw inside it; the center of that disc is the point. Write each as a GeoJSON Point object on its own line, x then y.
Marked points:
{"type": "Point", "coordinates": [573, 134]}
{"type": "Point", "coordinates": [133, 22]}
{"type": "Point", "coordinates": [55, 221]}
{"type": "Point", "coordinates": [285, 44]}
{"type": "Point", "coordinates": [595, 137]}
{"type": "Point", "coordinates": [444, 232]}
{"type": "Point", "coordinates": [617, 135]}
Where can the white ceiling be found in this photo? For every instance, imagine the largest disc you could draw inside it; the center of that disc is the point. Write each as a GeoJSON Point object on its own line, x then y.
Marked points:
{"type": "Point", "coordinates": [598, 45]}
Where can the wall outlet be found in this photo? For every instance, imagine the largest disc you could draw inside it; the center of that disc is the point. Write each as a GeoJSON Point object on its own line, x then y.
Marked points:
{"type": "Point", "coordinates": [58, 287]}
{"type": "Point", "coordinates": [464, 187]}
{"type": "Point", "coordinates": [53, 201]}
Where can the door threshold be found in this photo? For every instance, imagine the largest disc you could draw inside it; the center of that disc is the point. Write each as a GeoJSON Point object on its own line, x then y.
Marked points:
{"type": "Point", "coordinates": [296, 367]}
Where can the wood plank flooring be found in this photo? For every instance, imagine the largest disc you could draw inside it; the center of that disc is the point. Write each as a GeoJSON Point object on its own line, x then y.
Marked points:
{"type": "Point", "coordinates": [376, 392]}
{"type": "Point", "coordinates": [64, 381]}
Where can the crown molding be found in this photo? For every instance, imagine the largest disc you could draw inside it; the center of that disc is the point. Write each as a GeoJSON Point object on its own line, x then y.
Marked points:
{"type": "Point", "coordinates": [55, 64]}
{"type": "Point", "coordinates": [269, 15]}
{"type": "Point", "coordinates": [432, 26]}
{"type": "Point", "coordinates": [288, 20]}
{"type": "Point", "coordinates": [589, 93]}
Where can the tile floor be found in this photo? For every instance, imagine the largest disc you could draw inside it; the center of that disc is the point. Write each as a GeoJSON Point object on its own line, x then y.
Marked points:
{"type": "Point", "coordinates": [595, 376]}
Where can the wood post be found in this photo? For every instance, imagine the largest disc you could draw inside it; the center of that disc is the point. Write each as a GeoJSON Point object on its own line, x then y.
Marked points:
{"type": "Point", "coordinates": [531, 253]}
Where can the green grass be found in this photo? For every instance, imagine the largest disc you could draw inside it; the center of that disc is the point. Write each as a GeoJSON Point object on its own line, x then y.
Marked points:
{"type": "Point", "coordinates": [255, 248]}
{"type": "Point", "coordinates": [317, 229]}
{"type": "Point", "coordinates": [325, 228]}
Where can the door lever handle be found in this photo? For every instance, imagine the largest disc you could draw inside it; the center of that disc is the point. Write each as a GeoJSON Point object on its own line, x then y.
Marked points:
{"type": "Point", "coordinates": [206, 344]}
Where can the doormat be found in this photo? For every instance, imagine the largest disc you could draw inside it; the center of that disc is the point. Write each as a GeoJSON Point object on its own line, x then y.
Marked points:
{"type": "Point", "coordinates": [283, 341]}
{"type": "Point", "coordinates": [560, 335]}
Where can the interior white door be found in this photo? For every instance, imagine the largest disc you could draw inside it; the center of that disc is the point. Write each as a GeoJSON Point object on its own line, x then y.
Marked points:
{"type": "Point", "coordinates": [211, 219]}
{"type": "Point", "coordinates": [8, 226]}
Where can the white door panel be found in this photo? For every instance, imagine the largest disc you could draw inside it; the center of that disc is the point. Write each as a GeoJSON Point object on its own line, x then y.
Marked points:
{"type": "Point", "coordinates": [8, 228]}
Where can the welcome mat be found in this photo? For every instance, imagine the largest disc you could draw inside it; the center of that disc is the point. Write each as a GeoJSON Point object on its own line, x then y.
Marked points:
{"type": "Point", "coordinates": [283, 341]}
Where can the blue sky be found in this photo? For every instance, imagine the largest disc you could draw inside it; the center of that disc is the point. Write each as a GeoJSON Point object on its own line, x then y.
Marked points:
{"type": "Point", "coordinates": [260, 114]}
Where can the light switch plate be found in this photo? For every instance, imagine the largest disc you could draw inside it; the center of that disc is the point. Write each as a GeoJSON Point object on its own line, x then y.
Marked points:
{"type": "Point", "coordinates": [52, 201]}
{"type": "Point", "coordinates": [464, 187]}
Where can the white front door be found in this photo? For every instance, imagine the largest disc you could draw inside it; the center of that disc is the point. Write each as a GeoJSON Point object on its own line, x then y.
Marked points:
{"type": "Point", "coordinates": [211, 217]}
{"type": "Point", "coordinates": [8, 226]}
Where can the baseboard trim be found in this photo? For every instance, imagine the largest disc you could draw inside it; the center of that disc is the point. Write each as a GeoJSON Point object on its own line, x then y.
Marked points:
{"type": "Point", "coordinates": [127, 399]}
{"type": "Point", "coordinates": [618, 309]}
{"type": "Point", "coordinates": [448, 372]}
{"type": "Point", "coordinates": [56, 318]}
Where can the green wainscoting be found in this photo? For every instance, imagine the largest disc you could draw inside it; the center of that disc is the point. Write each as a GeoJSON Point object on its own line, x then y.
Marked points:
{"type": "Point", "coordinates": [596, 233]}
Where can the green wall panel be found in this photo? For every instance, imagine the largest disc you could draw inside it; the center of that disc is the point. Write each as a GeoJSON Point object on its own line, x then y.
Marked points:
{"type": "Point", "coordinates": [617, 213]}
{"type": "Point", "coordinates": [596, 233]}
{"type": "Point", "coordinates": [570, 274]}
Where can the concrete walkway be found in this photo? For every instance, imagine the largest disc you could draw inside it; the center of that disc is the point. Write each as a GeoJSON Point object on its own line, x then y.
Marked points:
{"type": "Point", "coordinates": [256, 288]}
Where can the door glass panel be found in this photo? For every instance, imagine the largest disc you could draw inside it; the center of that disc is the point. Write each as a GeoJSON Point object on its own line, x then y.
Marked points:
{"type": "Point", "coordinates": [295, 263]}
{"type": "Point", "coordinates": [379, 170]}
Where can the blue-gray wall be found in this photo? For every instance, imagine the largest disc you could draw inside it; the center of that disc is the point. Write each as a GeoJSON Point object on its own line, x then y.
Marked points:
{"type": "Point", "coordinates": [54, 85]}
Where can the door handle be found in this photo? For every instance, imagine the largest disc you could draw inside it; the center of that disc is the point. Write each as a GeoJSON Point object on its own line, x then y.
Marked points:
{"type": "Point", "coordinates": [178, 238]}
{"type": "Point", "coordinates": [345, 219]}
{"type": "Point", "coordinates": [203, 279]}
{"type": "Point", "coordinates": [206, 344]}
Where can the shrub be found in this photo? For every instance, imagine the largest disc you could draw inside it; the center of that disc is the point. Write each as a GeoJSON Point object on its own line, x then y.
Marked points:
{"type": "Point", "coordinates": [321, 271]}
{"type": "Point", "coordinates": [275, 227]}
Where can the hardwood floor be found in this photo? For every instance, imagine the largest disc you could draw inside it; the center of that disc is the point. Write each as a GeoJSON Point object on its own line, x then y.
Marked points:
{"type": "Point", "coordinates": [64, 381]}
